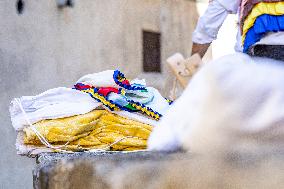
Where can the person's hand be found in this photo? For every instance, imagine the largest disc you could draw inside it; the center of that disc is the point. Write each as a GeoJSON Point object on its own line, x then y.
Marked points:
{"type": "Point", "coordinates": [200, 49]}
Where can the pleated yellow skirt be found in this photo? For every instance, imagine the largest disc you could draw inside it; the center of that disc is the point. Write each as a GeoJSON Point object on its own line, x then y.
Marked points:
{"type": "Point", "coordinates": [99, 129]}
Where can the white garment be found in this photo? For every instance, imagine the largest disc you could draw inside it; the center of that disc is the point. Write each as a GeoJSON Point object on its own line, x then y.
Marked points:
{"type": "Point", "coordinates": [232, 6]}
{"type": "Point", "coordinates": [54, 103]}
{"type": "Point", "coordinates": [159, 103]}
{"type": "Point", "coordinates": [212, 20]}
{"type": "Point", "coordinates": [209, 24]}
{"type": "Point", "coordinates": [100, 79]}
{"type": "Point", "coordinates": [64, 102]}
{"type": "Point", "coordinates": [272, 39]}
{"type": "Point", "coordinates": [234, 96]}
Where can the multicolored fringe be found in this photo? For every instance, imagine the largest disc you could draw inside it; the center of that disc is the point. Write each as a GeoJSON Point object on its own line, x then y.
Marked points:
{"type": "Point", "coordinates": [169, 101]}
{"type": "Point", "coordinates": [132, 106]}
{"type": "Point", "coordinates": [145, 110]}
{"type": "Point", "coordinates": [93, 92]}
{"type": "Point", "coordinates": [100, 94]}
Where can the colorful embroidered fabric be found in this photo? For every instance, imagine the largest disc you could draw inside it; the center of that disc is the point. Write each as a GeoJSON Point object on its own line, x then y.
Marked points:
{"type": "Point", "coordinates": [121, 98]}
{"type": "Point", "coordinates": [121, 81]}
{"type": "Point", "coordinates": [263, 24]}
{"type": "Point", "coordinates": [276, 9]}
{"type": "Point", "coordinates": [131, 107]}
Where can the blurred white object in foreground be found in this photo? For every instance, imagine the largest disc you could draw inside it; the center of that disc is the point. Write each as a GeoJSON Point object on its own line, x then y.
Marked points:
{"type": "Point", "coordinates": [235, 102]}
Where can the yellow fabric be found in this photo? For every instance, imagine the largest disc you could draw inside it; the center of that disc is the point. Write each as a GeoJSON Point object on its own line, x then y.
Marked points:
{"type": "Point", "coordinates": [95, 130]}
{"type": "Point", "coordinates": [275, 9]}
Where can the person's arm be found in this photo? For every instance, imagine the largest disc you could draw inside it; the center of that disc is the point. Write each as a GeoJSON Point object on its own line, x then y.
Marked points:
{"type": "Point", "coordinates": [208, 27]}
{"type": "Point", "coordinates": [200, 49]}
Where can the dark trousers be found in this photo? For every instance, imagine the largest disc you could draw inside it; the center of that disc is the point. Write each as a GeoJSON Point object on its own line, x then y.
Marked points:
{"type": "Point", "coordinates": [269, 51]}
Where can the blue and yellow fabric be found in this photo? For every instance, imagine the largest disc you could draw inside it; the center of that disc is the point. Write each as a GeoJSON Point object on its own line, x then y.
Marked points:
{"type": "Point", "coordinates": [264, 18]}
{"type": "Point", "coordinates": [263, 24]}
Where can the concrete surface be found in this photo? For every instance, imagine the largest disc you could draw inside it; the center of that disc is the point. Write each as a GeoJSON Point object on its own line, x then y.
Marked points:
{"type": "Point", "coordinates": [46, 47]}
{"type": "Point", "coordinates": [108, 161]}
{"type": "Point", "coordinates": [156, 170]}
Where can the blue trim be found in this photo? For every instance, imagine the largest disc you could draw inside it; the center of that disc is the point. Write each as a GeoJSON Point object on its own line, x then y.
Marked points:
{"type": "Point", "coordinates": [263, 24]}
{"type": "Point", "coordinates": [169, 101]}
{"type": "Point", "coordinates": [117, 74]}
{"type": "Point", "coordinates": [119, 106]}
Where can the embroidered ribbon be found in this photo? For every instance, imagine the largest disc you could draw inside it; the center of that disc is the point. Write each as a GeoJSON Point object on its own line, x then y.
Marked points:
{"type": "Point", "coordinates": [131, 107]}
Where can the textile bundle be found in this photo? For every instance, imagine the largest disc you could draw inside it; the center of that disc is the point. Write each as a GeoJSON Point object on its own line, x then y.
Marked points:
{"type": "Point", "coordinates": [104, 111]}
{"type": "Point", "coordinates": [98, 129]}
{"type": "Point", "coordinates": [258, 18]}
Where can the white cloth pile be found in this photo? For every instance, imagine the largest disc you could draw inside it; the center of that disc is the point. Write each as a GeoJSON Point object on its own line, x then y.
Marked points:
{"type": "Point", "coordinates": [54, 103]}
{"type": "Point", "coordinates": [236, 102]}
{"type": "Point", "coordinates": [65, 102]}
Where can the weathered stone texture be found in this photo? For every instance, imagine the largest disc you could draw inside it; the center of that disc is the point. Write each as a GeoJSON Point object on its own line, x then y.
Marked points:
{"type": "Point", "coordinates": [160, 170]}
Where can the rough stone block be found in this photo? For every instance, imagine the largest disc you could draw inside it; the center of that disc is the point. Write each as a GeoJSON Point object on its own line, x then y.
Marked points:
{"type": "Point", "coordinates": [159, 170]}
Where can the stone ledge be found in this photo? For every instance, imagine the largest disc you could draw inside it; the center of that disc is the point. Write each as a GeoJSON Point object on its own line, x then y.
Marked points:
{"type": "Point", "coordinates": [158, 170]}
{"type": "Point", "coordinates": [46, 162]}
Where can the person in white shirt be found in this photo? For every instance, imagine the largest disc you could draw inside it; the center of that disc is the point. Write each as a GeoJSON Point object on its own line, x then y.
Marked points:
{"type": "Point", "coordinates": [210, 23]}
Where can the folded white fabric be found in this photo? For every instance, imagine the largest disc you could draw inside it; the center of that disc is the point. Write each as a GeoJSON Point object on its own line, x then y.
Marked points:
{"type": "Point", "coordinates": [105, 79]}
{"type": "Point", "coordinates": [232, 99]}
{"type": "Point", "coordinates": [64, 102]}
{"type": "Point", "coordinates": [158, 103]}
{"type": "Point", "coordinates": [54, 103]}
{"type": "Point", "coordinates": [100, 79]}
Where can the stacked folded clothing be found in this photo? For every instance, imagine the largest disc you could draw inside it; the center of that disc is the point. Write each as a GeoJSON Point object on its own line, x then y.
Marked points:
{"type": "Point", "coordinates": [95, 130]}
{"type": "Point", "coordinates": [258, 18]}
{"type": "Point", "coordinates": [104, 111]}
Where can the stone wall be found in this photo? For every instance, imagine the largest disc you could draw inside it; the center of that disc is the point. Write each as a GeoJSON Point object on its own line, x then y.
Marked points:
{"type": "Point", "coordinates": [46, 47]}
